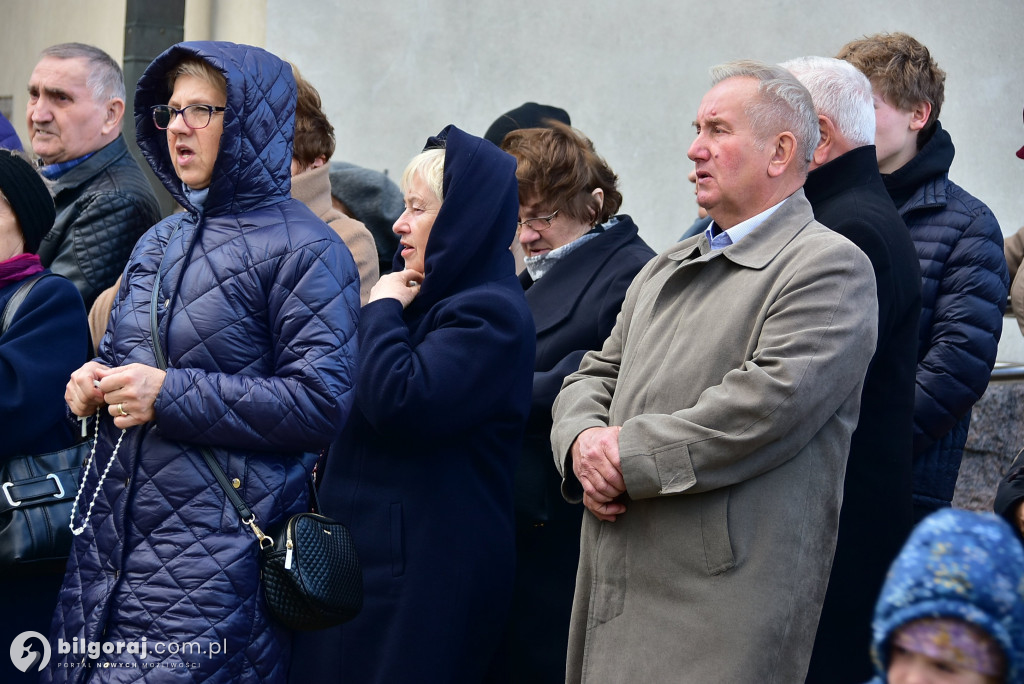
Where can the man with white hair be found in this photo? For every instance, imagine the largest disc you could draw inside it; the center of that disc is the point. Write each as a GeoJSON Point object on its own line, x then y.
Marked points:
{"type": "Point", "coordinates": [76, 101]}
{"type": "Point", "coordinates": [846, 192]}
{"type": "Point", "coordinates": [708, 437]}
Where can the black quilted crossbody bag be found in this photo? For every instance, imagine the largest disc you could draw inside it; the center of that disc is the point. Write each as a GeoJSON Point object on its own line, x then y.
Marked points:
{"type": "Point", "coordinates": [308, 564]}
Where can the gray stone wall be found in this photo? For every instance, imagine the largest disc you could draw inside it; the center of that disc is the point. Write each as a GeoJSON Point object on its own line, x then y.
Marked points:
{"type": "Point", "coordinates": [995, 437]}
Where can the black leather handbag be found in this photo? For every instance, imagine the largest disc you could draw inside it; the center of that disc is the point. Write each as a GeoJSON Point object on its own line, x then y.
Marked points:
{"type": "Point", "coordinates": [35, 509]}
{"type": "Point", "coordinates": [38, 490]}
{"type": "Point", "coordinates": [310, 571]}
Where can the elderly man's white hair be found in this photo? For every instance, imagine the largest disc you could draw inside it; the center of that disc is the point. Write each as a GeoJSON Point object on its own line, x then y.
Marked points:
{"type": "Point", "coordinates": [105, 76]}
{"type": "Point", "coordinates": [841, 92]}
{"type": "Point", "coordinates": [784, 104]}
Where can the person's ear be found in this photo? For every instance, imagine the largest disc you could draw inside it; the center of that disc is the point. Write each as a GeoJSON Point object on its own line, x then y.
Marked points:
{"type": "Point", "coordinates": [783, 154]}
{"type": "Point", "coordinates": [827, 133]}
{"type": "Point", "coordinates": [112, 115]}
{"type": "Point", "coordinates": [919, 115]}
{"type": "Point", "coordinates": [598, 193]}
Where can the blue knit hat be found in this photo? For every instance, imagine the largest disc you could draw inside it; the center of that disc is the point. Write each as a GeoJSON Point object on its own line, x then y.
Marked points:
{"type": "Point", "coordinates": [963, 565]}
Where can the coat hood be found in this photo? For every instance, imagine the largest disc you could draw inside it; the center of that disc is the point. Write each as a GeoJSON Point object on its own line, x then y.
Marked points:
{"type": "Point", "coordinates": [253, 166]}
{"type": "Point", "coordinates": [469, 241]}
{"type": "Point", "coordinates": [958, 564]}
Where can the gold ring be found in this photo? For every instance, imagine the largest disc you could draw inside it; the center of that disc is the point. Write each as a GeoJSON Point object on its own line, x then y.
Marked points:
{"type": "Point", "coordinates": [120, 407]}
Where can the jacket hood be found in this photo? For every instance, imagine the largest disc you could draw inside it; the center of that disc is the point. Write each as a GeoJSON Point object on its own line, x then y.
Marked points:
{"type": "Point", "coordinates": [932, 161]}
{"type": "Point", "coordinates": [469, 241]}
{"type": "Point", "coordinates": [253, 165]}
{"type": "Point", "coordinates": [958, 564]}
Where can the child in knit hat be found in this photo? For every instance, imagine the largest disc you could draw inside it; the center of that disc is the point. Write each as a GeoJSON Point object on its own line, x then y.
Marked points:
{"type": "Point", "coordinates": [952, 608]}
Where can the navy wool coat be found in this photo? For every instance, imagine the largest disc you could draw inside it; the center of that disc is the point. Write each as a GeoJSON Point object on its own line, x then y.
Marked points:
{"type": "Point", "coordinates": [257, 312]}
{"type": "Point", "coordinates": [422, 474]}
{"type": "Point", "coordinates": [574, 307]}
{"type": "Point", "coordinates": [38, 353]}
{"type": "Point", "coordinates": [48, 339]}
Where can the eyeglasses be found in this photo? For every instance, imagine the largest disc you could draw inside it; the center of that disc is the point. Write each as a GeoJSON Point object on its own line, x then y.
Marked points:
{"type": "Point", "coordinates": [546, 220]}
{"type": "Point", "coordinates": [195, 116]}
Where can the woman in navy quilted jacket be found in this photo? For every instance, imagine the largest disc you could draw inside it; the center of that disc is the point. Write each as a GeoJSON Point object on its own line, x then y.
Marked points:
{"type": "Point", "coordinates": [255, 308]}
{"type": "Point", "coordinates": [422, 474]}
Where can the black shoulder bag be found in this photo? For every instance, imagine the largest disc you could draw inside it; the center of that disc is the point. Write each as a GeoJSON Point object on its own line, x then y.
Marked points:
{"type": "Point", "coordinates": [38, 490]}
{"type": "Point", "coordinates": [309, 567]}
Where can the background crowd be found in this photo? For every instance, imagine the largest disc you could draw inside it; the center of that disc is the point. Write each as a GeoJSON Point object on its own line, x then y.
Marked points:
{"type": "Point", "coordinates": [718, 457]}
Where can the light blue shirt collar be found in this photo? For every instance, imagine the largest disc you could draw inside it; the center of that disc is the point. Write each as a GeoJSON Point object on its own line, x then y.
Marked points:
{"type": "Point", "coordinates": [739, 231]}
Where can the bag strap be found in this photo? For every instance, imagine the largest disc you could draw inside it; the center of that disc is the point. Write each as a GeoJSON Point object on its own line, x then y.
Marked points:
{"type": "Point", "coordinates": [244, 512]}
{"type": "Point", "coordinates": [19, 296]}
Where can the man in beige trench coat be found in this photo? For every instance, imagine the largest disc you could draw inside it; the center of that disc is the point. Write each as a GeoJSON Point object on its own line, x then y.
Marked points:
{"type": "Point", "coordinates": [708, 437]}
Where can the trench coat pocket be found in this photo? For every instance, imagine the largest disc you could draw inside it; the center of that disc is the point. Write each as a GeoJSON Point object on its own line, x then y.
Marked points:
{"type": "Point", "coordinates": [714, 529]}
{"type": "Point", "coordinates": [609, 595]}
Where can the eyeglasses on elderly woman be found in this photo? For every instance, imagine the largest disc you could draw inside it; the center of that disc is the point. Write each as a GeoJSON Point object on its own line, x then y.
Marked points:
{"type": "Point", "coordinates": [195, 116]}
{"type": "Point", "coordinates": [543, 222]}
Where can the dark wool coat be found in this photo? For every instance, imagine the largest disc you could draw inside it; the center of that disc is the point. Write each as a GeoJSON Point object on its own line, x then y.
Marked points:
{"type": "Point", "coordinates": [103, 206]}
{"type": "Point", "coordinates": [423, 473]}
{"type": "Point", "coordinates": [847, 195]}
{"type": "Point", "coordinates": [38, 353]}
{"type": "Point", "coordinates": [44, 345]}
{"type": "Point", "coordinates": [964, 285]}
{"type": "Point", "coordinates": [574, 307]}
{"type": "Point", "coordinates": [257, 312]}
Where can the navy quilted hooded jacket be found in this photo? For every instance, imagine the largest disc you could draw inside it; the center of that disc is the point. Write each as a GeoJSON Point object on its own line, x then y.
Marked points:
{"type": "Point", "coordinates": [257, 309]}
{"type": "Point", "coordinates": [964, 285]}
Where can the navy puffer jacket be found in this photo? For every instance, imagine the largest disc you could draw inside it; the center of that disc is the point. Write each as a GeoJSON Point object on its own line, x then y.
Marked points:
{"type": "Point", "coordinates": [257, 307]}
{"type": "Point", "coordinates": [964, 284]}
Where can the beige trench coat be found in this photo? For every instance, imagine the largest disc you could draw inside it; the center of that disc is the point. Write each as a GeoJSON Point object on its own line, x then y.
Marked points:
{"type": "Point", "coordinates": [736, 377]}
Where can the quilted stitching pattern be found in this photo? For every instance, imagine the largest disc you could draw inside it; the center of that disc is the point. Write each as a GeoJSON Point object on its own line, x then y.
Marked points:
{"type": "Point", "coordinates": [257, 313]}
{"type": "Point", "coordinates": [103, 206]}
{"type": "Point", "coordinates": [964, 284]}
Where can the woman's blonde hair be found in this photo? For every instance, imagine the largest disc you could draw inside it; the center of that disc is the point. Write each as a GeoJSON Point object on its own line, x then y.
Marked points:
{"type": "Point", "coordinates": [428, 165]}
{"type": "Point", "coordinates": [197, 68]}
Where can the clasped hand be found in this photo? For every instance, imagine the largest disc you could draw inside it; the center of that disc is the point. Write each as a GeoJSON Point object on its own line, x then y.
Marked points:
{"type": "Point", "coordinates": [129, 392]}
{"type": "Point", "coordinates": [402, 285]}
{"type": "Point", "coordinates": [595, 461]}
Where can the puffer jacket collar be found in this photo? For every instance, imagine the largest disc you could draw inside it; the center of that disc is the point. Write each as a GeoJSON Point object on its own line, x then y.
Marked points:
{"type": "Point", "coordinates": [921, 182]}
{"type": "Point", "coordinates": [252, 168]}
